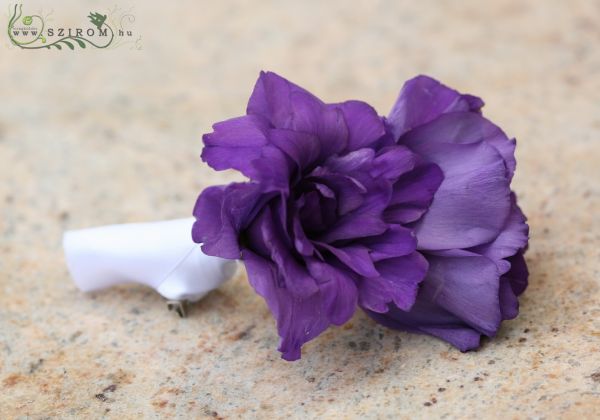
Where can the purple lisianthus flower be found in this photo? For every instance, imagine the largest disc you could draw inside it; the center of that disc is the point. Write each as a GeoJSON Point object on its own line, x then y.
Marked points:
{"type": "Point", "coordinates": [410, 217]}
{"type": "Point", "coordinates": [321, 225]}
{"type": "Point", "coordinates": [473, 234]}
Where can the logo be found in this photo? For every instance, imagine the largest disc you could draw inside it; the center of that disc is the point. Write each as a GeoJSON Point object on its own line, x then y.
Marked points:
{"type": "Point", "coordinates": [101, 30]}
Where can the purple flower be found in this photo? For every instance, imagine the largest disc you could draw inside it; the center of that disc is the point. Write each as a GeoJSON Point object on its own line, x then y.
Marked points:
{"type": "Point", "coordinates": [339, 212]}
{"type": "Point", "coordinates": [322, 223]}
{"type": "Point", "coordinates": [474, 234]}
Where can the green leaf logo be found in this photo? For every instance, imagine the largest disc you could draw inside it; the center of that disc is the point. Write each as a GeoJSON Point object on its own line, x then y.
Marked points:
{"type": "Point", "coordinates": [27, 20]}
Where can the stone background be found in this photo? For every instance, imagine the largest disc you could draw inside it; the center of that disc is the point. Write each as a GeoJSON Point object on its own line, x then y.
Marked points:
{"type": "Point", "coordinates": [96, 137]}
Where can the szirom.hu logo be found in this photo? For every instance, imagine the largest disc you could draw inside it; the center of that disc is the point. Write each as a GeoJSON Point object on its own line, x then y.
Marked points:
{"type": "Point", "coordinates": [34, 32]}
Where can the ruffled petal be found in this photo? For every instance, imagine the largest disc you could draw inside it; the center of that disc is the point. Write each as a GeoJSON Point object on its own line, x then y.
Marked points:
{"type": "Point", "coordinates": [472, 204]}
{"type": "Point", "coordinates": [266, 228]}
{"type": "Point", "coordinates": [234, 144]}
{"type": "Point", "coordinates": [298, 319]}
{"type": "Point", "coordinates": [221, 213]}
{"type": "Point", "coordinates": [398, 283]}
{"type": "Point", "coordinates": [367, 220]}
{"type": "Point", "coordinates": [355, 257]}
{"type": "Point", "coordinates": [338, 290]}
{"type": "Point", "coordinates": [303, 148]}
{"type": "Point", "coordinates": [273, 98]}
{"type": "Point", "coordinates": [287, 106]}
{"type": "Point", "coordinates": [422, 100]}
{"type": "Point", "coordinates": [365, 127]}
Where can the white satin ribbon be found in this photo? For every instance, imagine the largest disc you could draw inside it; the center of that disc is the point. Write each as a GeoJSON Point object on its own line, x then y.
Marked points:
{"type": "Point", "coordinates": [161, 255]}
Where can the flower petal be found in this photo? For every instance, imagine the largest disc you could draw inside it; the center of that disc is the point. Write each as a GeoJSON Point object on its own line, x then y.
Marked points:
{"type": "Point", "coordinates": [221, 213]}
{"type": "Point", "coordinates": [462, 128]}
{"type": "Point", "coordinates": [364, 125]}
{"type": "Point", "coordinates": [287, 106]}
{"type": "Point", "coordinates": [338, 291]}
{"type": "Point", "coordinates": [422, 100]}
{"type": "Point", "coordinates": [427, 318]}
{"type": "Point", "coordinates": [367, 220]}
{"type": "Point", "coordinates": [355, 257]}
{"type": "Point", "coordinates": [272, 100]}
{"type": "Point", "coordinates": [397, 241]}
{"type": "Point", "coordinates": [234, 144]}
{"type": "Point", "coordinates": [467, 287]}
{"type": "Point", "coordinates": [472, 203]}
{"type": "Point", "coordinates": [513, 237]}
{"type": "Point", "coordinates": [265, 228]}
{"type": "Point", "coordinates": [298, 319]}
{"type": "Point", "coordinates": [413, 193]}
{"type": "Point", "coordinates": [398, 282]}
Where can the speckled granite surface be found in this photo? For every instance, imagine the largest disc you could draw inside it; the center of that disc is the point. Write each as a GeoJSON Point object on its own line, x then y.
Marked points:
{"type": "Point", "coordinates": [97, 137]}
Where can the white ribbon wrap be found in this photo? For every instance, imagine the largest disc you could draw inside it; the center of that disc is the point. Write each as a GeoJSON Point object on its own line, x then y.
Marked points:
{"type": "Point", "coordinates": [161, 255]}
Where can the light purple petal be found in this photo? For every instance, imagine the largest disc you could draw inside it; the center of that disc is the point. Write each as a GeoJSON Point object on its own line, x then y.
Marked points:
{"type": "Point", "coordinates": [422, 100]}
{"type": "Point", "coordinates": [472, 203]}
{"type": "Point", "coordinates": [513, 237]}
{"type": "Point", "coordinates": [463, 128]}
{"type": "Point", "coordinates": [413, 193]}
{"type": "Point", "coordinates": [466, 287]}
{"type": "Point", "coordinates": [391, 162]}
{"type": "Point", "coordinates": [397, 241]}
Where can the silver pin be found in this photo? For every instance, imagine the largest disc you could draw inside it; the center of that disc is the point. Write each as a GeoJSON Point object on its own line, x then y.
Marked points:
{"type": "Point", "coordinates": [179, 306]}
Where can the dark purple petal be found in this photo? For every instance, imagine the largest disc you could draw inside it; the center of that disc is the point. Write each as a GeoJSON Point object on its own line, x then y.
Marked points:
{"type": "Point", "coordinates": [298, 319]}
{"type": "Point", "coordinates": [364, 125]}
{"type": "Point", "coordinates": [296, 278]}
{"type": "Point", "coordinates": [234, 144]}
{"type": "Point", "coordinates": [472, 203]}
{"type": "Point", "coordinates": [338, 290]}
{"type": "Point", "coordinates": [422, 100]}
{"type": "Point", "coordinates": [221, 213]}
{"type": "Point", "coordinates": [287, 106]}
{"type": "Point", "coordinates": [272, 99]}
{"type": "Point", "coordinates": [303, 148]}
{"type": "Point", "coordinates": [355, 257]}
{"type": "Point", "coordinates": [367, 220]}
{"type": "Point", "coordinates": [518, 274]}
{"type": "Point", "coordinates": [348, 192]}
{"type": "Point", "coordinates": [509, 304]}
{"type": "Point", "coordinates": [398, 283]}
